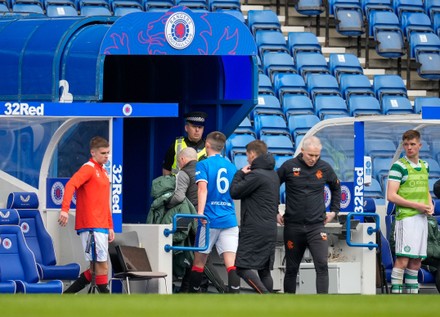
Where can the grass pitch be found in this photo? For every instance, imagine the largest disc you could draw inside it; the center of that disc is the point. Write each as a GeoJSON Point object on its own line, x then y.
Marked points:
{"type": "Point", "coordinates": [213, 305]}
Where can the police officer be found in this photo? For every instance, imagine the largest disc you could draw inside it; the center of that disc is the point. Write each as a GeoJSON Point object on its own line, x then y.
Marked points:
{"type": "Point", "coordinates": [194, 127]}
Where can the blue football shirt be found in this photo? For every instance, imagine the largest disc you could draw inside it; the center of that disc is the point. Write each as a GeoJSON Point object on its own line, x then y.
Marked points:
{"type": "Point", "coordinates": [218, 173]}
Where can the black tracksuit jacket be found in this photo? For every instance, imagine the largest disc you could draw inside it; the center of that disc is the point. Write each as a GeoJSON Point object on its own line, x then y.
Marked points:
{"type": "Point", "coordinates": [305, 203]}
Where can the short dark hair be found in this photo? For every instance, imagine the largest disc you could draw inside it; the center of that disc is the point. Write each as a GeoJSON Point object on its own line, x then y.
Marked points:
{"type": "Point", "coordinates": [257, 146]}
{"type": "Point", "coordinates": [217, 140]}
{"type": "Point", "coordinates": [98, 142]}
{"type": "Point", "coordinates": [411, 134]}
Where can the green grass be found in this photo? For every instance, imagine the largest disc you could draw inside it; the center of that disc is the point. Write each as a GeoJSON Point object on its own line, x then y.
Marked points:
{"type": "Point", "coordinates": [213, 305]}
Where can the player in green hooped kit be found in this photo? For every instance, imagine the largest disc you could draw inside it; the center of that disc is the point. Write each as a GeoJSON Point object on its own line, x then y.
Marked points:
{"type": "Point", "coordinates": [408, 189]}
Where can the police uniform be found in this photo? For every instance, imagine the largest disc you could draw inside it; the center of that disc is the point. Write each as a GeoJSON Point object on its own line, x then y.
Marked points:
{"type": "Point", "coordinates": [170, 162]}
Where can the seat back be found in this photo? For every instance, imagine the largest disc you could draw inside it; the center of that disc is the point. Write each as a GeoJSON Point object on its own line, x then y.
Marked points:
{"type": "Point", "coordinates": [133, 259]}
{"type": "Point", "coordinates": [263, 20]}
{"type": "Point", "coordinates": [356, 84]}
{"type": "Point", "coordinates": [340, 64]}
{"type": "Point", "coordinates": [303, 42]}
{"type": "Point", "coordinates": [35, 233]}
{"type": "Point", "coordinates": [129, 238]}
{"type": "Point", "coordinates": [420, 102]}
{"type": "Point", "coordinates": [17, 261]}
{"type": "Point", "coordinates": [309, 7]}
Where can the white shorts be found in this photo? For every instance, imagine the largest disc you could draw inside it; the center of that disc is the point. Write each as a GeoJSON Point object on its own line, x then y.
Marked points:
{"type": "Point", "coordinates": [101, 243]}
{"type": "Point", "coordinates": [225, 240]}
{"type": "Point", "coordinates": [411, 236]}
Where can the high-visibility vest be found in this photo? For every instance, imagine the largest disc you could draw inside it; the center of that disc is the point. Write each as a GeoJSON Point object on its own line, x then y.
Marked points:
{"type": "Point", "coordinates": [179, 145]}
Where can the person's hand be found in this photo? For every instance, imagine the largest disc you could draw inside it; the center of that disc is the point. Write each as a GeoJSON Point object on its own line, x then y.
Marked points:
{"type": "Point", "coordinates": [280, 219]}
{"type": "Point", "coordinates": [202, 220]}
{"type": "Point", "coordinates": [63, 218]}
{"type": "Point", "coordinates": [246, 169]}
{"type": "Point", "coordinates": [425, 209]}
{"type": "Point", "coordinates": [111, 235]}
{"type": "Point", "coordinates": [329, 216]}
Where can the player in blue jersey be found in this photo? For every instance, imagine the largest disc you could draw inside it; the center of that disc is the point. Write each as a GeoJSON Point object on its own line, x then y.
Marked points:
{"type": "Point", "coordinates": [213, 177]}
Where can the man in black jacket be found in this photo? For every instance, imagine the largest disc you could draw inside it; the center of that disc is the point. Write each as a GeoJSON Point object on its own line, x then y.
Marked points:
{"type": "Point", "coordinates": [257, 185]}
{"type": "Point", "coordinates": [305, 177]}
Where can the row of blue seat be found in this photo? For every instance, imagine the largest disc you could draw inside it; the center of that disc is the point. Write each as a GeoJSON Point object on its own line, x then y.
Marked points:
{"type": "Point", "coordinates": [27, 256]}
{"type": "Point", "coordinates": [55, 8]}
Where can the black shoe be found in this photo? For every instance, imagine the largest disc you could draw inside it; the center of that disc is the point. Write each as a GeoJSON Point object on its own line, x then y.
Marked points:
{"type": "Point", "coordinates": [78, 285]}
{"type": "Point", "coordinates": [103, 289]}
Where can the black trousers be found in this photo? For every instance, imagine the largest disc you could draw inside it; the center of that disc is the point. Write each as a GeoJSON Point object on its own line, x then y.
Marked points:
{"type": "Point", "coordinates": [296, 239]}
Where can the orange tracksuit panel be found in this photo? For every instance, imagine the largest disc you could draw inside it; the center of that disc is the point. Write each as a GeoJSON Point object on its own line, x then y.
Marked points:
{"type": "Point", "coordinates": [92, 185]}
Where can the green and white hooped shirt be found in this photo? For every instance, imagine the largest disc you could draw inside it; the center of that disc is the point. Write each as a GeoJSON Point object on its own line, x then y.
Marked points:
{"type": "Point", "coordinates": [414, 185]}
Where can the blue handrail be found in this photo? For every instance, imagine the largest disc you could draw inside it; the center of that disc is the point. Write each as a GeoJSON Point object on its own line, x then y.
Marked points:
{"type": "Point", "coordinates": [173, 230]}
{"type": "Point", "coordinates": [370, 230]}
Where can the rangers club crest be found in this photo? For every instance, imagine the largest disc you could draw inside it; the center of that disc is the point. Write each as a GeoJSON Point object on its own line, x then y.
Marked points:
{"type": "Point", "coordinates": [57, 192]}
{"type": "Point", "coordinates": [179, 30]}
{"type": "Point", "coordinates": [345, 197]}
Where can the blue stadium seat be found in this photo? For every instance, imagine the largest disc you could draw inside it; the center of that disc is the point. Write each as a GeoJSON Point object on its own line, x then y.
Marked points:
{"type": "Point", "coordinates": [349, 17]}
{"type": "Point", "coordinates": [308, 63]}
{"type": "Point", "coordinates": [265, 86]}
{"type": "Point", "coordinates": [431, 7]}
{"type": "Point", "coordinates": [425, 49]}
{"type": "Point", "coordinates": [235, 13]}
{"type": "Point", "coordinates": [381, 168]}
{"type": "Point", "coordinates": [384, 27]}
{"type": "Point", "coordinates": [300, 124]}
{"type": "Point", "coordinates": [270, 124]}
{"type": "Point", "coordinates": [386, 257]}
{"type": "Point", "coordinates": [420, 102]}
{"type": "Point", "coordinates": [267, 104]}
{"type": "Point", "coordinates": [401, 6]}
{"type": "Point", "coordinates": [296, 105]}
{"type": "Point", "coordinates": [278, 144]}
{"type": "Point", "coordinates": [28, 6]}
{"type": "Point", "coordinates": [359, 95]}
{"type": "Point", "coordinates": [38, 239]}
{"type": "Point", "coordinates": [287, 83]}
{"type": "Point", "coordinates": [363, 105]}
{"type": "Point", "coordinates": [263, 20]}
{"type": "Point", "coordinates": [431, 182]}
{"type": "Point", "coordinates": [395, 104]}
{"type": "Point", "coordinates": [270, 41]}
{"type": "Point", "coordinates": [330, 105]}
{"type": "Point", "coordinates": [274, 63]}
{"type": "Point", "coordinates": [309, 7]}
{"type": "Point", "coordinates": [17, 262]}
{"type": "Point", "coordinates": [302, 42]}
{"type": "Point", "coordinates": [322, 84]}
{"type": "Point", "coordinates": [355, 85]}
{"type": "Point", "coordinates": [389, 85]}
{"type": "Point", "coordinates": [376, 5]}
{"type": "Point", "coordinates": [94, 8]}
{"type": "Point", "coordinates": [240, 160]}
{"type": "Point", "coordinates": [245, 127]}
{"type": "Point", "coordinates": [236, 143]}
{"type": "Point", "coordinates": [434, 168]}
{"type": "Point", "coordinates": [194, 5]}
{"type": "Point", "coordinates": [280, 159]}
{"type": "Point", "coordinates": [380, 148]}
{"type": "Point", "coordinates": [158, 5]}
{"type": "Point", "coordinates": [374, 190]}
{"type": "Point", "coordinates": [60, 8]}
{"type": "Point", "coordinates": [340, 64]}
{"type": "Point", "coordinates": [415, 22]}
{"type": "Point", "coordinates": [435, 150]}
{"type": "Point", "coordinates": [123, 7]}
{"type": "Point", "coordinates": [4, 6]}
{"type": "Point", "coordinates": [224, 5]}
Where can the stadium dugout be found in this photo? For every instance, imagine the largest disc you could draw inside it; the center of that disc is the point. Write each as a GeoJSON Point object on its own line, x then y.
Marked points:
{"type": "Point", "coordinates": [130, 79]}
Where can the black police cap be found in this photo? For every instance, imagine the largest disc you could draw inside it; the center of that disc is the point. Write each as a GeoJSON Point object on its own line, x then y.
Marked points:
{"type": "Point", "coordinates": [196, 118]}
